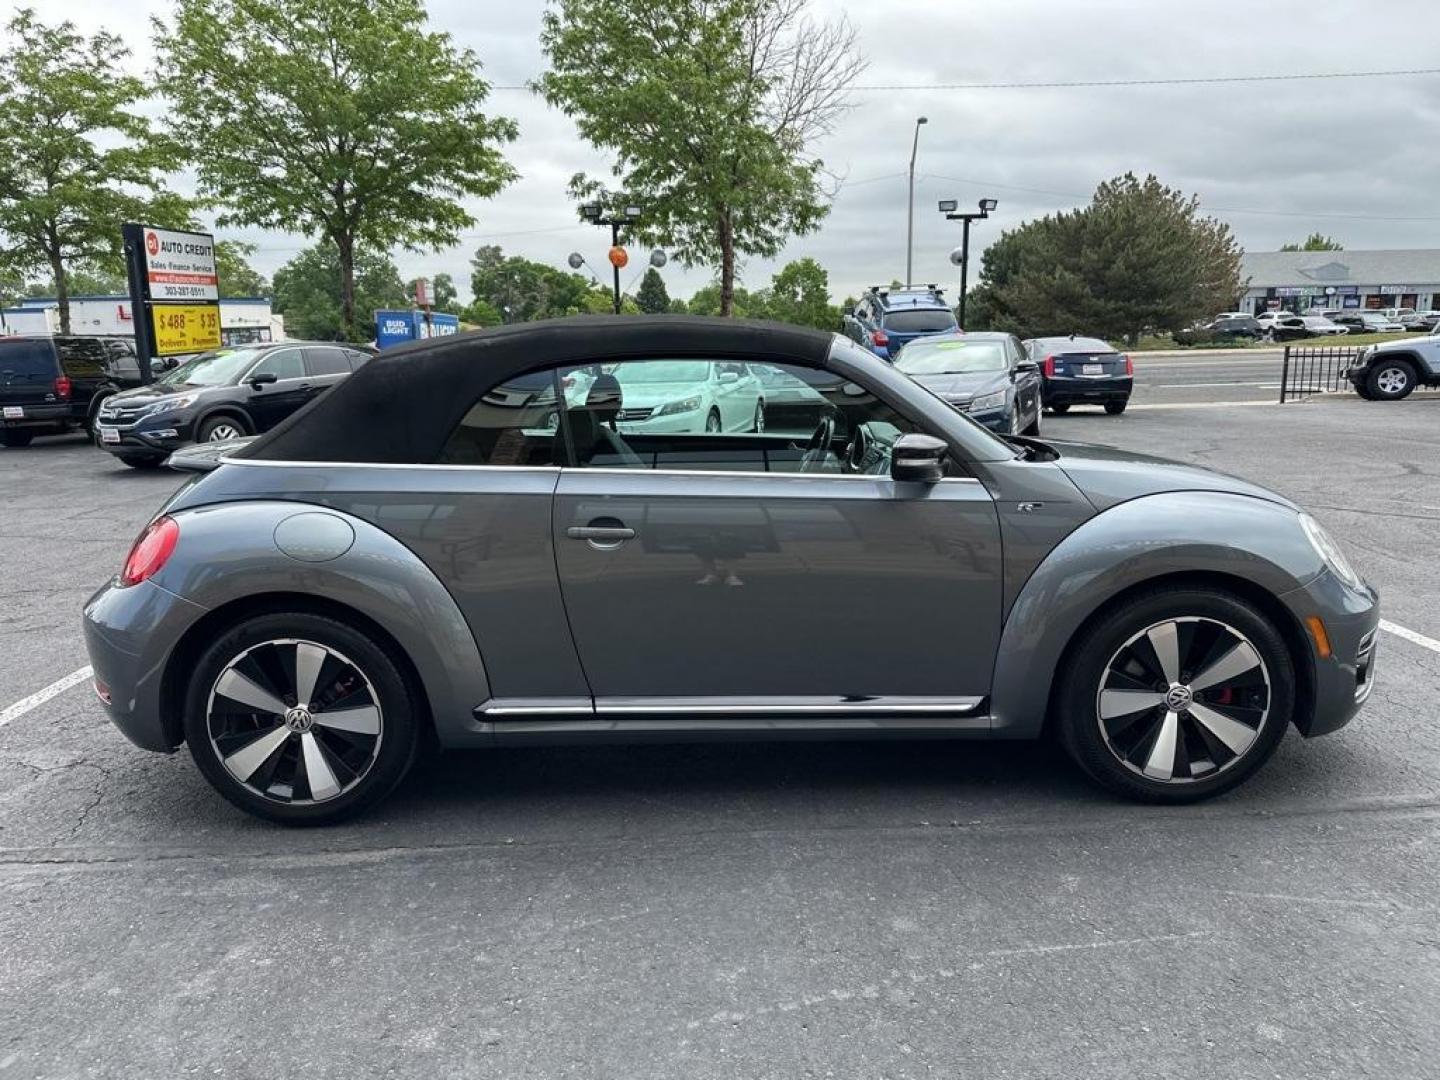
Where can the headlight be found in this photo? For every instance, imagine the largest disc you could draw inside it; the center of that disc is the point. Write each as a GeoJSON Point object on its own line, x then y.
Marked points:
{"type": "Point", "coordinates": [1329, 551]}
{"type": "Point", "coordinates": [171, 404]}
{"type": "Point", "coordinates": [689, 404]}
{"type": "Point", "coordinates": [988, 402]}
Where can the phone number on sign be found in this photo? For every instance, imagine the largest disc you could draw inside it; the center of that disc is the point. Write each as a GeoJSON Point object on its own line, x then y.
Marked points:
{"type": "Point", "coordinates": [185, 292]}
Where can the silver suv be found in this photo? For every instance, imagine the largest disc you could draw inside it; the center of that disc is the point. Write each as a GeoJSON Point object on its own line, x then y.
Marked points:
{"type": "Point", "coordinates": [1393, 369]}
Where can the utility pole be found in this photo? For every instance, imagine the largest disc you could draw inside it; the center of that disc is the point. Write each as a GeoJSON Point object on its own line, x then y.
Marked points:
{"type": "Point", "coordinates": [595, 214]}
{"type": "Point", "coordinates": [910, 211]}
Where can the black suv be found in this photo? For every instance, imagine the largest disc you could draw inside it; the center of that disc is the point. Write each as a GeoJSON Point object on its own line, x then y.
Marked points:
{"type": "Point", "coordinates": [51, 385]}
{"type": "Point", "coordinates": [220, 395]}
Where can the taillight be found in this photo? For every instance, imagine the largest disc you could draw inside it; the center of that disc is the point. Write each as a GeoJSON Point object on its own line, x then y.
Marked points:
{"type": "Point", "coordinates": [150, 551]}
{"type": "Point", "coordinates": [880, 338]}
{"type": "Point", "coordinates": [62, 387]}
{"type": "Point", "coordinates": [1129, 365]}
{"type": "Point", "coordinates": [1048, 367]}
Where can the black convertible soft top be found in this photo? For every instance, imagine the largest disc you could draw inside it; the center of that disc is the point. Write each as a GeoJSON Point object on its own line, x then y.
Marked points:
{"type": "Point", "coordinates": [402, 406]}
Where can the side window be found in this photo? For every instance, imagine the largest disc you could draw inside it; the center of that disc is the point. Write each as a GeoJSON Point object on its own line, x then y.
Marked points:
{"type": "Point", "coordinates": [282, 363]}
{"type": "Point", "coordinates": [120, 359]}
{"type": "Point", "coordinates": [81, 358]}
{"type": "Point", "coordinates": [721, 416]}
{"type": "Point", "coordinates": [356, 358]}
{"type": "Point", "coordinates": [326, 361]}
{"type": "Point", "coordinates": [516, 423]}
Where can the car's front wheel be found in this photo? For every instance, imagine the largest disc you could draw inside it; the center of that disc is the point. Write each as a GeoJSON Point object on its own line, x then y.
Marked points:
{"type": "Point", "coordinates": [1115, 408]}
{"type": "Point", "coordinates": [1391, 380]}
{"type": "Point", "coordinates": [300, 719]}
{"type": "Point", "coordinates": [1176, 695]}
{"type": "Point", "coordinates": [219, 428]}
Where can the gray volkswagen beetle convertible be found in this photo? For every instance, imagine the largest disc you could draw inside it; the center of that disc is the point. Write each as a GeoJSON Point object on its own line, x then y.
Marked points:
{"type": "Point", "coordinates": [559, 532]}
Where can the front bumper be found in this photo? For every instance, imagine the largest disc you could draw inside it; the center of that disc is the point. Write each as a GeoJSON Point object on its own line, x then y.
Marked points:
{"type": "Point", "coordinates": [130, 633]}
{"type": "Point", "coordinates": [1342, 681]}
{"type": "Point", "coordinates": [148, 437]}
{"type": "Point", "coordinates": [1093, 389]}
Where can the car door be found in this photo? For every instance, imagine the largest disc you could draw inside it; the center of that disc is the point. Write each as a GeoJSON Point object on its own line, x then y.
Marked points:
{"type": "Point", "coordinates": [325, 365]}
{"type": "Point", "coordinates": [269, 403]}
{"type": "Point", "coordinates": [1027, 379]}
{"type": "Point", "coordinates": [722, 573]}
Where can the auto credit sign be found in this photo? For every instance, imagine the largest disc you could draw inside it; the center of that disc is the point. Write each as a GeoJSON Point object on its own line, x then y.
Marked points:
{"type": "Point", "coordinates": [180, 265]}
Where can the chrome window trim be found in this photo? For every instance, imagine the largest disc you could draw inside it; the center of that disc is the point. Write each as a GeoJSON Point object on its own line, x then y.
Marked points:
{"type": "Point", "coordinates": [278, 463]}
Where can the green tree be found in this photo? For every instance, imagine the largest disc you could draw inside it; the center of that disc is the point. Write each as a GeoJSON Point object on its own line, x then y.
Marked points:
{"type": "Point", "coordinates": [342, 118]}
{"type": "Point", "coordinates": [1315, 242]}
{"type": "Point", "coordinates": [237, 276]}
{"type": "Point", "coordinates": [743, 303]}
{"type": "Point", "coordinates": [800, 294]}
{"type": "Point", "coordinates": [653, 298]}
{"type": "Point", "coordinates": [83, 281]}
{"type": "Point", "coordinates": [710, 108]}
{"type": "Point", "coordinates": [1138, 258]}
{"type": "Point", "coordinates": [307, 293]}
{"type": "Point", "coordinates": [481, 313]}
{"type": "Point", "coordinates": [76, 158]}
{"type": "Point", "coordinates": [523, 290]}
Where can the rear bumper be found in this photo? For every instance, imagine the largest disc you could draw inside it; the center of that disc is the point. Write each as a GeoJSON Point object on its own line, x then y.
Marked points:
{"type": "Point", "coordinates": [50, 415]}
{"type": "Point", "coordinates": [1096, 389]}
{"type": "Point", "coordinates": [129, 634]}
{"type": "Point", "coordinates": [1342, 681]}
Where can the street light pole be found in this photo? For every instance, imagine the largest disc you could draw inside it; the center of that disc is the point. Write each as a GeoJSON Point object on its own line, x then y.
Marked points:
{"type": "Point", "coordinates": [910, 210]}
{"type": "Point", "coordinates": [961, 255]}
{"type": "Point", "coordinates": [594, 213]}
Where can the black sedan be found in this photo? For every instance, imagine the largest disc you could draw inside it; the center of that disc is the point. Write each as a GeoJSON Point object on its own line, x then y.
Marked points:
{"type": "Point", "coordinates": [986, 376]}
{"type": "Point", "coordinates": [1082, 371]}
{"type": "Point", "coordinates": [220, 395]}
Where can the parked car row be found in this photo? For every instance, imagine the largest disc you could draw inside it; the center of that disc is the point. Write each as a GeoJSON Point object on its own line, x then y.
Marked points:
{"type": "Point", "coordinates": [51, 385]}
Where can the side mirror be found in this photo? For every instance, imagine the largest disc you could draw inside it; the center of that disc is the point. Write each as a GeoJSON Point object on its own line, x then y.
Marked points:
{"type": "Point", "coordinates": [1027, 365]}
{"type": "Point", "coordinates": [265, 378]}
{"type": "Point", "coordinates": [918, 459]}
{"type": "Point", "coordinates": [729, 376]}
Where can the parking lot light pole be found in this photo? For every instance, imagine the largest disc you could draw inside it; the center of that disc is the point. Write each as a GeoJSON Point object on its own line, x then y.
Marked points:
{"type": "Point", "coordinates": [910, 210]}
{"type": "Point", "coordinates": [595, 214]}
{"type": "Point", "coordinates": [961, 255]}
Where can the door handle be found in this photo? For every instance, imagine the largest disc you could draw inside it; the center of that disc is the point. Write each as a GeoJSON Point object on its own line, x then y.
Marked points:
{"type": "Point", "coordinates": [605, 534]}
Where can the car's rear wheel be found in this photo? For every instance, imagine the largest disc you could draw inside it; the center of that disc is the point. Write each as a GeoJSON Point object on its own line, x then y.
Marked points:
{"type": "Point", "coordinates": [1391, 380]}
{"type": "Point", "coordinates": [218, 428]}
{"type": "Point", "coordinates": [16, 437]}
{"type": "Point", "coordinates": [1176, 695]}
{"type": "Point", "coordinates": [1059, 410]}
{"type": "Point", "coordinates": [758, 425]}
{"type": "Point", "coordinates": [300, 719]}
{"type": "Point", "coordinates": [1115, 408]}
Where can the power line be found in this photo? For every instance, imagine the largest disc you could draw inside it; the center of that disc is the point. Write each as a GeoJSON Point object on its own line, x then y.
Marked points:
{"type": "Point", "coordinates": [1202, 80]}
{"type": "Point", "coordinates": [1203, 206]}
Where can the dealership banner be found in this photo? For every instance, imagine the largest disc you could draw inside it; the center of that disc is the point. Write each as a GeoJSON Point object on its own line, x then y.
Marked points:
{"type": "Point", "coordinates": [174, 290]}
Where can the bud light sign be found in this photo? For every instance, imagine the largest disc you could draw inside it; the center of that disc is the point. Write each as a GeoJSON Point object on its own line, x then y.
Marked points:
{"type": "Point", "coordinates": [398, 327]}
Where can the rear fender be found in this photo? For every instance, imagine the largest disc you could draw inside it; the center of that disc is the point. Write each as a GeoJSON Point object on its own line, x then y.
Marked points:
{"type": "Point", "coordinates": [1142, 540]}
{"type": "Point", "coordinates": [229, 552]}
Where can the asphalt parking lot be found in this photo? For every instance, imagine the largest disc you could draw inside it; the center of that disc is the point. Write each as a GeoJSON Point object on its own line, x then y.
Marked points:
{"type": "Point", "coordinates": [796, 910]}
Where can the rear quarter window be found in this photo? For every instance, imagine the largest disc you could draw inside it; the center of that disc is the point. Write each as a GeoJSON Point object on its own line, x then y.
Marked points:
{"type": "Point", "coordinates": [27, 358]}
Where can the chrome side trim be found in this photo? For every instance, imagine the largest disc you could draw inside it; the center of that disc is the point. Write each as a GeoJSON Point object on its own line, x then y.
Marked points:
{"type": "Point", "coordinates": [837, 707]}
{"type": "Point", "coordinates": [550, 469]}
{"type": "Point", "coordinates": [872, 727]}
{"type": "Point", "coordinates": [535, 707]}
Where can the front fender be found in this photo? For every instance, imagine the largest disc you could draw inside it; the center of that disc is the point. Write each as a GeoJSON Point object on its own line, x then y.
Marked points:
{"type": "Point", "coordinates": [228, 552]}
{"type": "Point", "coordinates": [1141, 540]}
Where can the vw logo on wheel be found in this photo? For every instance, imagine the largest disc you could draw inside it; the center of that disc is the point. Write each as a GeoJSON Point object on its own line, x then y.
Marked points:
{"type": "Point", "coordinates": [1178, 698]}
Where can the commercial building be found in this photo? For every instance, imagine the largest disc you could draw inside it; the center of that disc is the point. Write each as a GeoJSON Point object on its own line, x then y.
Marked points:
{"type": "Point", "coordinates": [242, 319]}
{"type": "Point", "coordinates": [1361, 280]}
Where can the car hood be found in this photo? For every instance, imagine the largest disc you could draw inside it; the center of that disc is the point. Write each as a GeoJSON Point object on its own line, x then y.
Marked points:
{"type": "Point", "coordinates": [141, 395]}
{"type": "Point", "coordinates": [1109, 476]}
{"type": "Point", "coordinates": [964, 386]}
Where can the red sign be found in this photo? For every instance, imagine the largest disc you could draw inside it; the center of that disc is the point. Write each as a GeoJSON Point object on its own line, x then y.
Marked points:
{"type": "Point", "coordinates": [152, 243]}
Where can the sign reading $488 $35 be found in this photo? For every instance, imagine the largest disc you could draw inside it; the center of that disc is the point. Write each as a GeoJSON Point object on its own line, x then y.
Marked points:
{"type": "Point", "coordinates": [185, 328]}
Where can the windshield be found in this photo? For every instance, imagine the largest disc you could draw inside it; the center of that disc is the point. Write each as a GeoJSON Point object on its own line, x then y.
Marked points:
{"type": "Point", "coordinates": [952, 357]}
{"type": "Point", "coordinates": [664, 371]}
{"type": "Point", "coordinates": [212, 369]}
{"type": "Point", "coordinates": [923, 321]}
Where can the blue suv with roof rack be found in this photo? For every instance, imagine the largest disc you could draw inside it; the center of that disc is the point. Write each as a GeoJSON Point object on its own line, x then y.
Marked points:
{"type": "Point", "coordinates": [886, 319]}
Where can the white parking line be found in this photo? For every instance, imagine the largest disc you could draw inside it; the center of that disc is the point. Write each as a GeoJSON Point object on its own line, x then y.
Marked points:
{"type": "Point", "coordinates": [35, 700]}
{"type": "Point", "coordinates": [1410, 635]}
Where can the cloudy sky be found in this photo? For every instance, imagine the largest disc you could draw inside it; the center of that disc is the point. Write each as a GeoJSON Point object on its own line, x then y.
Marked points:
{"type": "Point", "coordinates": [1354, 158]}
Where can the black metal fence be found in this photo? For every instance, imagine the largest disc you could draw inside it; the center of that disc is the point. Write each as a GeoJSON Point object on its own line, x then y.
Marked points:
{"type": "Point", "coordinates": [1315, 369]}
